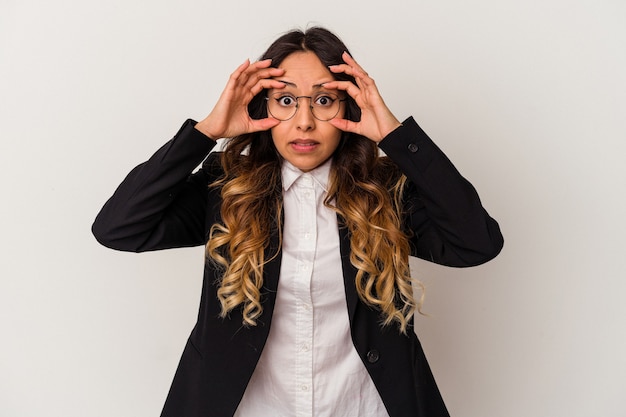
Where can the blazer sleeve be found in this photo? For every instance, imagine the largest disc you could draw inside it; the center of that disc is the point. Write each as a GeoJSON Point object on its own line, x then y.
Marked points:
{"type": "Point", "coordinates": [447, 221]}
{"type": "Point", "coordinates": [160, 204]}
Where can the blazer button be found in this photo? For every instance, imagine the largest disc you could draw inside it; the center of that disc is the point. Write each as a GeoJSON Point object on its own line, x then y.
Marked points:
{"type": "Point", "coordinates": [413, 147]}
{"type": "Point", "coordinates": [373, 356]}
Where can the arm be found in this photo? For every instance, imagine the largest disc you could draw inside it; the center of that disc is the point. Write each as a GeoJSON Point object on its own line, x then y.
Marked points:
{"type": "Point", "coordinates": [160, 204]}
{"type": "Point", "coordinates": [446, 217]}
{"type": "Point", "coordinates": [444, 212]}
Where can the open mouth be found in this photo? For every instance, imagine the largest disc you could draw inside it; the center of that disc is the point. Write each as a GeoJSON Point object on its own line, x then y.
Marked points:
{"type": "Point", "coordinates": [303, 145]}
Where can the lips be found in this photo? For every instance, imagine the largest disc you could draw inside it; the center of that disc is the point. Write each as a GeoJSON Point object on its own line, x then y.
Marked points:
{"type": "Point", "coordinates": [303, 145]}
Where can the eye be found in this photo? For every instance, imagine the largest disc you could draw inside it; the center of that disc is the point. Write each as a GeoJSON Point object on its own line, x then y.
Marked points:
{"type": "Point", "coordinates": [324, 100]}
{"type": "Point", "coordinates": [286, 100]}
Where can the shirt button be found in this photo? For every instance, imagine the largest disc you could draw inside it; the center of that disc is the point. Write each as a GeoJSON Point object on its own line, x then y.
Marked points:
{"type": "Point", "coordinates": [304, 387]}
{"type": "Point", "coordinates": [373, 356]}
{"type": "Point", "coordinates": [307, 236]}
{"type": "Point", "coordinates": [305, 348]}
{"type": "Point", "coordinates": [413, 147]}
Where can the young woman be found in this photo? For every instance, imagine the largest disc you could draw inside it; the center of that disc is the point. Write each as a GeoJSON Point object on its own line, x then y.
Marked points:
{"type": "Point", "coordinates": [307, 303]}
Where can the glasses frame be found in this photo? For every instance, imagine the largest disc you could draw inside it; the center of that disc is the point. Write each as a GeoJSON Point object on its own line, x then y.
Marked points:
{"type": "Point", "coordinates": [297, 98]}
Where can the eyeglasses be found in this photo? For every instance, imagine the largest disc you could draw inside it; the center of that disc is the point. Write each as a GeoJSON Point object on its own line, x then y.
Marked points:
{"type": "Point", "coordinates": [283, 106]}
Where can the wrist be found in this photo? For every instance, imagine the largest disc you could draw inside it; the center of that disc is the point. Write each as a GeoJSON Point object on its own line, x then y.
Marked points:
{"type": "Point", "coordinates": [203, 127]}
{"type": "Point", "coordinates": [388, 128]}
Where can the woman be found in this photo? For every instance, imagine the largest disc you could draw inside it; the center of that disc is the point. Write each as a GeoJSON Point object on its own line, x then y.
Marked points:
{"type": "Point", "coordinates": [301, 194]}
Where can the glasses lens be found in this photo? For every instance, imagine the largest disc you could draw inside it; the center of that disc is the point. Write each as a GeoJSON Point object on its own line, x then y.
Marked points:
{"type": "Point", "coordinates": [325, 106]}
{"type": "Point", "coordinates": [282, 106]}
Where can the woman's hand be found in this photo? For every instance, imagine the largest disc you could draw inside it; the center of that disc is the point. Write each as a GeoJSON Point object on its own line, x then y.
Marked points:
{"type": "Point", "coordinates": [377, 121]}
{"type": "Point", "coordinates": [230, 116]}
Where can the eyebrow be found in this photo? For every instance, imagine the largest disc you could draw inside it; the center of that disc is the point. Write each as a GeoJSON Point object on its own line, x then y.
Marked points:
{"type": "Point", "coordinates": [320, 85]}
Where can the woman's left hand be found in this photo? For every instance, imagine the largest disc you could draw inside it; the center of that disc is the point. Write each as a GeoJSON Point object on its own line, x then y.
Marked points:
{"type": "Point", "coordinates": [377, 121]}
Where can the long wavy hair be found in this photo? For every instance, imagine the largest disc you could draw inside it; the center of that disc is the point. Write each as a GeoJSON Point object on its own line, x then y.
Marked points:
{"type": "Point", "coordinates": [364, 189]}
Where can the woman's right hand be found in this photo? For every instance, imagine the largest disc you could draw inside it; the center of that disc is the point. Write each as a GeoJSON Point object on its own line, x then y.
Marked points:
{"type": "Point", "coordinates": [230, 115]}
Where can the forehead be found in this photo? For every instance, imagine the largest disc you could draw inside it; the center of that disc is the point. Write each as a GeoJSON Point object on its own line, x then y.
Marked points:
{"type": "Point", "coordinates": [304, 69]}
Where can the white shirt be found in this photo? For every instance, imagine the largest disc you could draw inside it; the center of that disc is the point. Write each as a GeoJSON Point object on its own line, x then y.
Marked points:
{"type": "Point", "coordinates": [309, 366]}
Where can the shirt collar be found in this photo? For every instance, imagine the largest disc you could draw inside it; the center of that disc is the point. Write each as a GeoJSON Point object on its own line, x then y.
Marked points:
{"type": "Point", "coordinates": [290, 174]}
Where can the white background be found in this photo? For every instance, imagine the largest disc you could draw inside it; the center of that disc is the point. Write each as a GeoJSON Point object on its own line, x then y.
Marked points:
{"type": "Point", "coordinates": [528, 98]}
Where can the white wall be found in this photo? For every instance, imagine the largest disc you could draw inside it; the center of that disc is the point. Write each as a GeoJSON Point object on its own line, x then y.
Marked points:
{"type": "Point", "coordinates": [527, 98]}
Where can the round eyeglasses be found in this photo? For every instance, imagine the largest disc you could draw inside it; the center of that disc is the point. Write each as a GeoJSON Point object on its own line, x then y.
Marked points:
{"type": "Point", "coordinates": [283, 106]}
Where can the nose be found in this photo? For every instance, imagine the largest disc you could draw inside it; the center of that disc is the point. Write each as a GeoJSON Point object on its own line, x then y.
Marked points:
{"type": "Point", "coordinates": [304, 116]}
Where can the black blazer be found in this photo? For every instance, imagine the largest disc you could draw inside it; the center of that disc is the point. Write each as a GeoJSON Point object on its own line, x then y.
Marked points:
{"type": "Point", "coordinates": [161, 204]}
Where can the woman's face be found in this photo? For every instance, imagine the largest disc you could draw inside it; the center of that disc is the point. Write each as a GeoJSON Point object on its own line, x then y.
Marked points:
{"type": "Point", "coordinates": [303, 140]}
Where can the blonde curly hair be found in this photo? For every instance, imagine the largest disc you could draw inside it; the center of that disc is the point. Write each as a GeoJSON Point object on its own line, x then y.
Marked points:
{"type": "Point", "coordinates": [364, 189]}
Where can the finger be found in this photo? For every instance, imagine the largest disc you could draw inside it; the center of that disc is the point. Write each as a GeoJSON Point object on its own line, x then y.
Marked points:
{"type": "Point", "coordinates": [345, 68]}
{"type": "Point", "coordinates": [345, 125]}
{"type": "Point", "coordinates": [241, 68]}
{"type": "Point", "coordinates": [266, 84]}
{"type": "Point", "coordinates": [258, 125]}
{"type": "Point", "coordinates": [360, 77]}
{"type": "Point", "coordinates": [347, 86]}
{"type": "Point", "coordinates": [263, 63]}
{"type": "Point", "coordinates": [235, 75]}
{"type": "Point", "coordinates": [267, 73]}
{"type": "Point", "coordinates": [255, 67]}
{"type": "Point", "coordinates": [246, 70]}
{"type": "Point", "coordinates": [254, 77]}
{"type": "Point", "coordinates": [347, 58]}
{"type": "Point", "coordinates": [358, 72]}
{"type": "Point", "coordinates": [264, 67]}
{"type": "Point", "coordinates": [350, 69]}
